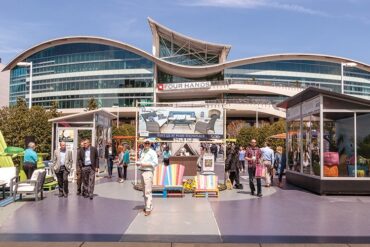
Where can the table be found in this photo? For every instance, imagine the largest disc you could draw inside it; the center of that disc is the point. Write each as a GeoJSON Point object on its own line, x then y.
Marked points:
{"type": "Point", "coordinates": [182, 122]}
{"type": "Point", "coordinates": [2, 185]}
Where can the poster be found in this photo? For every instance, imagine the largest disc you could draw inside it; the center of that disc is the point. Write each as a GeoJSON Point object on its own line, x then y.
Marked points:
{"type": "Point", "coordinates": [181, 122]}
{"type": "Point", "coordinates": [66, 135]}
{"type": "Point", "coordinates": [208, 163]}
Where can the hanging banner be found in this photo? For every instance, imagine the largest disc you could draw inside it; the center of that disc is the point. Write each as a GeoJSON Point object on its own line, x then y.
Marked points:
{"type": "Point", "coordinates": [181, 122]}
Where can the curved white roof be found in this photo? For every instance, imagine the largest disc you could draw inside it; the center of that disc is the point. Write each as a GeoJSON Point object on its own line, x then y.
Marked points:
{"type": "Point", "coordinates": [177, 69]}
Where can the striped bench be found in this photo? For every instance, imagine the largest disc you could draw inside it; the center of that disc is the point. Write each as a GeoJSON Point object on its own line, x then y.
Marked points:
{"type": "Point", "coordinates": [206, 186]}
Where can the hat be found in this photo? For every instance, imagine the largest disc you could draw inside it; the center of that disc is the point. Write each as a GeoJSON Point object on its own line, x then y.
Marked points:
{"type": "Point", "coordinates": [147, 141]}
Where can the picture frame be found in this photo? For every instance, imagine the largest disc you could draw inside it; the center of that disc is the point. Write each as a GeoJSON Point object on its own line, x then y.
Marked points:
{"type": "Point", "coordinates": [208, 163]}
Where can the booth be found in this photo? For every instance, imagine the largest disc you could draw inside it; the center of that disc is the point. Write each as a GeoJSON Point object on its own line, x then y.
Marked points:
{"type": "Point", "coordinates": [183, 127]}
{"type": "Point", "coordinates": [328, 142]}
{"type": "Point", "coordinates": [95, 125]}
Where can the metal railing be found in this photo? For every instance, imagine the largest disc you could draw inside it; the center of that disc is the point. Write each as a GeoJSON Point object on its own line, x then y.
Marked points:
{"type": "Point", "coordinates": [295, 85]}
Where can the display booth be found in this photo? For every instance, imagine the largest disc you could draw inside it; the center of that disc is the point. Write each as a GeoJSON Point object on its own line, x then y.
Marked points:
{"type": "Point", "coordinates": [328, 142]}
{"type": "Point", "coordinates": [95, 125]}
{"type": "Point", "coordinates": [184, 128]}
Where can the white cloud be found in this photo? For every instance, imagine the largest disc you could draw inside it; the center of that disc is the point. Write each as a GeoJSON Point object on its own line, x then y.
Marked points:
{"type": "Point", "coordinates": [254, 4]}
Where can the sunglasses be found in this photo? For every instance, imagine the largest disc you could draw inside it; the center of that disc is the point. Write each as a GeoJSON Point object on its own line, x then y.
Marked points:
{"type": "Point", "coordinates": [146, 142]}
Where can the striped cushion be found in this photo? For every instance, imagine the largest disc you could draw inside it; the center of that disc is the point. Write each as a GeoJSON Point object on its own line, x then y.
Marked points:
{"type": "Point", "coordinates": [207, 182]}
{"type": "Point", "coordinates": [159, 175]}
{"type": "Point", "coordinates": [174, 175]}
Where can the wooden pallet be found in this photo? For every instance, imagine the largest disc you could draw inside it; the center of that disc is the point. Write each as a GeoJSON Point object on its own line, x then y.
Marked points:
{"type": "Point", "coordinates": [206, 193]}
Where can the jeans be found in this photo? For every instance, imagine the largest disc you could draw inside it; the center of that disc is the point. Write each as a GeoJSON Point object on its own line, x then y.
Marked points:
{"type": "Point", "coordinates": [252, 174]}
{"type": "Point", "coordinates": [110, 165]}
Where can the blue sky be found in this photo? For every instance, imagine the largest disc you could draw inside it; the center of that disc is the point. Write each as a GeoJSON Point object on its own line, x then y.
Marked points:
{"type": "Point", "coordinates": [252, 27]}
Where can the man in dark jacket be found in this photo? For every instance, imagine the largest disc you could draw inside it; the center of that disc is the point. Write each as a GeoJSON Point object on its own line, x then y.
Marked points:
{"type": "Point", "coordinates": [78, 169]}
{"type": "Point", "coordinates": [110, 153]}
{"type": "Point", "coordinates": [88, 161]}
{"type": "Point", "coordinates": [214, 151]}
{"type": "Point", "coordinates": [232, 165]}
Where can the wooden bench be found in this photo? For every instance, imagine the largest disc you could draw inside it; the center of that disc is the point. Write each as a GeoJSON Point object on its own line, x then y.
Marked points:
{"type": "Point", "coordinates": [206, 186]}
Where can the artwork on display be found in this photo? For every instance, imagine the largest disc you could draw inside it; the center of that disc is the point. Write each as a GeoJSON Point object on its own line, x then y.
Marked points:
{"type": "Point", "coordinates": [66, 135]}
{"type": "Point", "coordinates": [181, 122]}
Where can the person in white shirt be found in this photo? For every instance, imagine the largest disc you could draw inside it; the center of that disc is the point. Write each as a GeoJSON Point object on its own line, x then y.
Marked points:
{"type": "Point", "coordinates": [62, 164]}
{"type": "Point", "coordinates": [147, 162]}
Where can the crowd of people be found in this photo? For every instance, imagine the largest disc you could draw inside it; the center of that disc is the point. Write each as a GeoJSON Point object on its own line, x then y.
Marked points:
{"type": "Point", "coordinates": [261, 163]}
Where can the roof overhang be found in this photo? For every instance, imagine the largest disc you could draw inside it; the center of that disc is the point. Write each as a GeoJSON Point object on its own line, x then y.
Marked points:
{"type": "Point", "coordinates": [165, 32]}
{"type": "Point", "coordinates": [312, 92]}
{"type": "Point", "coordinates": [83, 116]}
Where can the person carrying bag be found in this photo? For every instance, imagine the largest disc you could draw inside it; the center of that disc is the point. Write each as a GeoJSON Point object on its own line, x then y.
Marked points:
{"type": "Point", "coordinates": [253, 156]}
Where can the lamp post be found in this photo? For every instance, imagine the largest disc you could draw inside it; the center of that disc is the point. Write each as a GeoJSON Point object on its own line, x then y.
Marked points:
{"type": "Point", "coordinates": [342, 65]}
{"type": "Point", "coordinates": [28, 64]}
{"type": "Point", "coordinates": [116, 106]}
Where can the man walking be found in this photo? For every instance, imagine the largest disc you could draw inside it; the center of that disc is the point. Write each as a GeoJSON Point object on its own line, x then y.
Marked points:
{"type": "Point", "coordinates": [147, 162]}
{"type": "Point", "coordinates": [109, 154]}
{"type": "Point", "coordinates": [253, 156]}
{"type": "Point", "coordinates": [88, 160]}
{"type": "Point", "coordinates": [214, 151]}
{"type": "Point", "coordinates": [62, 164]}
{"type": "Point", "coordinates": [78, 170]}
{"type": "Point", "coordinates": [268, 161]}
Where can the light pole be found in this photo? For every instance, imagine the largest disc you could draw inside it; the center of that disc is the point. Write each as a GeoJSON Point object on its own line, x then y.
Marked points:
{"type": "Point", "coordinates": [342, 65]}
{"type": "Point", "coordinates": [28, 64]}
{"type": "Point", "coordinates": [257, 117]}
{"type": "Point", "coordinates": [116, 106]}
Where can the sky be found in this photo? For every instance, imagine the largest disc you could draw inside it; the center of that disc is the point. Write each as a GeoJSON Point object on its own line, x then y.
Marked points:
{"type": "Point", "coordinates": [251, 27]}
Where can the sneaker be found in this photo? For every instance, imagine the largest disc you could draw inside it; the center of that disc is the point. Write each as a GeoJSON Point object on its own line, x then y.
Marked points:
{"type": "Point", "coordinates": [121, 181]}
{"type": "Point", "coordinates": [259, 195]}
{"type": "Point", "coordinates": [147, 213]}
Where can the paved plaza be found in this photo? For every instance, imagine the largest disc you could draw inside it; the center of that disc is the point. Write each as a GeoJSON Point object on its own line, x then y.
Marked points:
{"type": "Point", "coordinates": [286, 215]}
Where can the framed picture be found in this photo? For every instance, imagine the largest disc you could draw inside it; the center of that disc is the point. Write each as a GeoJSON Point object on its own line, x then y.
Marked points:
{"type": "Point", "coordinates": [208, 163]}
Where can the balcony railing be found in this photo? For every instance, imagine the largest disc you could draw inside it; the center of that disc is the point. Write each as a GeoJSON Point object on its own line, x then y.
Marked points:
{"type": "Point", "coordinates": [296, 85]}
{"type": "Point", "coordinates": [258, 101]}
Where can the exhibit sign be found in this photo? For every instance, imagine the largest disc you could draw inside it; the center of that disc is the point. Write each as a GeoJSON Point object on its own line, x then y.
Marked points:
{"type": "Point", "coordinates": [184, 85]}
{"type": "Point", "coordinates": [66, 135]}
{"type": "Point", "coordinates": [208, 165]}
{"type": "Point", "coordinates": [311, 106]}
{"type": "Point", "coordinates": [181, 122]}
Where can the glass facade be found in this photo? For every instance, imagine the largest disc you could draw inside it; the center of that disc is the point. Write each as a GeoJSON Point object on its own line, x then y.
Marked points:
{"type": "Point", "coordinates": [184, 54]}
{"type": "Point", "coordinates": [68, 75]}
{"type": "Point", "coordinates": [303, 73]}
{"type": "Point", "coordinates": [164, 77]}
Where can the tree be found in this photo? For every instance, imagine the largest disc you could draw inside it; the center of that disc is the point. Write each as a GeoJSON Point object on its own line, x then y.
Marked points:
{"type": "Point", "coordinates": [125, 130]}
{"type": "Point", "coordinates": [54, 110]}
{"type": "Point", "coordinates": [234, 127]}
{"type": "Point", "coordinates": [262, 134]}
{"type": "Point", "coordinates": [17, 122]}
{"type": "Point", "coordinates": [92, 104]}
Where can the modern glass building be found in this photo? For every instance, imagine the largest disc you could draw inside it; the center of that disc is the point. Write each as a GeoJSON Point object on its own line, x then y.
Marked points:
{"type": "Point", "coordinates": [71, 70]}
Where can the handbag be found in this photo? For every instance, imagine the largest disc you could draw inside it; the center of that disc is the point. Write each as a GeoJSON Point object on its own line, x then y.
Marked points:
{"type": "Point", "coordinates": [260, 171]}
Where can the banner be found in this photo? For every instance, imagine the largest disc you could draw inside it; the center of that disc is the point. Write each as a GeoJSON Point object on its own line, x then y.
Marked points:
{"type": "Point", "coordinates": [181, 122]}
